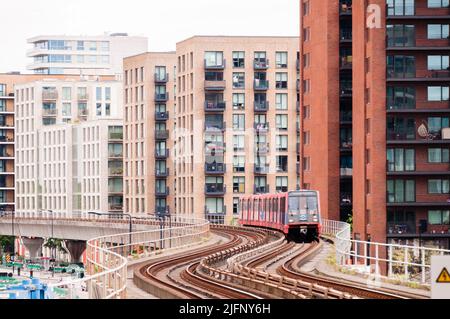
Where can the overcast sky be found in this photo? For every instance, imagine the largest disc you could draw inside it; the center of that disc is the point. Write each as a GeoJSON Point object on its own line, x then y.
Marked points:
{"type": "Point", "coordinates": [164, 22]}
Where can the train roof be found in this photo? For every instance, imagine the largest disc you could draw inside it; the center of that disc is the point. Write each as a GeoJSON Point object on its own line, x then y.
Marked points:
{"type": "Point", "coordinates": [279, 195]}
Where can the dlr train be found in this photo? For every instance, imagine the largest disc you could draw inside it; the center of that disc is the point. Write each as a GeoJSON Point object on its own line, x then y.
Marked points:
{"type": "Point", "coordinates": [296, 214]}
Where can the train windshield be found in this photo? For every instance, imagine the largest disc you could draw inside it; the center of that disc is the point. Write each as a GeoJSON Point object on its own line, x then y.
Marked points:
{"type": "Point", "coordinates": [302, 203]}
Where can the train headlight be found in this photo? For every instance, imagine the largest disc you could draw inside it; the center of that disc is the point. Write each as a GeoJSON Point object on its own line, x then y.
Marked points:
{"type": "Point", "coordinates": [291, 220]}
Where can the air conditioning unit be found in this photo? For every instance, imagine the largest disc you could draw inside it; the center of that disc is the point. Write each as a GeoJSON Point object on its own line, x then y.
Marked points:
{"type": "Point", "coordinates": [446, 134]}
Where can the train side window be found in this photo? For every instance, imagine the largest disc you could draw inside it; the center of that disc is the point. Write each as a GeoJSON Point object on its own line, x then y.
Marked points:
{"type": "Point", "coordinates": [275, 209]}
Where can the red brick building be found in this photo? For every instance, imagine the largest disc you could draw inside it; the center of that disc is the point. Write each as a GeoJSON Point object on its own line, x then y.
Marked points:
{"type": "Point", "coordinates": [375, 115]}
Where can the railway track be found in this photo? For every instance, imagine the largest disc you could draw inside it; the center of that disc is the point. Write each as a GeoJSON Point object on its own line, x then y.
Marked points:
{"type": "Point", "coordinates": [164, 279]}
{"type": "Point", "coordinates": [292, 269]}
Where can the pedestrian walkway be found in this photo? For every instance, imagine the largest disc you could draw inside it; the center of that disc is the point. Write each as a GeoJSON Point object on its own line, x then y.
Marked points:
{"type": "Point", "coordinates": [319, 265]}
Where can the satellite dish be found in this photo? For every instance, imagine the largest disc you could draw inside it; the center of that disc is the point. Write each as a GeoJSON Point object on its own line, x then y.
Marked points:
{"type": "Point", "coordinates": [422, 131]}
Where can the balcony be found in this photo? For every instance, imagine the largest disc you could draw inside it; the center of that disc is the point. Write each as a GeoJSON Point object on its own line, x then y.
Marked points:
{"type": "Point", "coordinates": [161, 134]}
{"type": "Point", "coordinates": [161, 153]}
{"type": "Point", "coordinates": [161, 78]}
{"type": "Point", "coordinates": [161, 97]}
{"type": "Point", "coordinates": [346, 89]}
{"type": "Point", "coordinates": [298, 148]}
{"type": "Point", "coordinates": [346, 36]}
{"type": "Point", "coordinates": [6, 139]}
{"type": "Point", "coordinates": [420, 12]}
{"type": "Point", "coordinates": [261, 64]}
{"type": "Point", "coordinates": [161, 116]}
{"type": "Point", "coordinates": [215, 189]}
{"type": "Point", "coordinates": [261, 127]}
{"type": "Point", "coordinates": [115, 171]}
{"type": "Point", "coordinates": [345, 8]}
{"type": "Point", "coordinates": [162, 192]}
{"type": "Point", "coordinates": [215, 169]}
{"type": "Point", "coordinates": [261, 106]}
{"type": "Point", "coordinates": [419, 76]}
{"type": "Point", "coordinates": [260, 85]}
{"type": "Point", "coordinates": [50, 95]}
{"type": "Point", "coordinates": [261, 189]}
{"type": "Point", "coordinates": [82, 112]}
{"type": "Point", "coordinates": [219, 85]}
{"type": "Point", "coordinates": [115, 136]}
{"type": "Point", "coordinates": [215, 127]}
{"type": "Point", "coordinates": [83, 97]}
{"type": "Point", "coordinates": [261, 169]}
{"type": "Point", "coordinates": [49, 112]}
{"type": "Point", "coordinates": [346, 62]}
{"type": "Point", "coordinates": [416, 44]}
{"type": "Point", "coordinates": [214, 216]}
{"type": "Point", "coordinates": [346, 172]}
{"type": "Point", "coordinates": [115, 154]}
{"type": "Point", "coordinates": [262, 148]}
{"type": "Point", "coordinates": [399, 138]}
{"type": "Point", "coordinates": [346, 117]}
{"type": "Point", "coordinates": [217, 66]}
{"type": "Point", "coordinates": [214, 107]}
{"type": "Point", "coordinates": [162, 210]}
{"type": "Point", "coordinates": [162, 172]}
{"type": "Point", "coordinates": [346, 145]}
{"type": "Point", "coordinates": [115, 207]}
{"type": "Point", "coordinates": [346, 199]}
{"type": "Point", "coordinates": [400, 228]}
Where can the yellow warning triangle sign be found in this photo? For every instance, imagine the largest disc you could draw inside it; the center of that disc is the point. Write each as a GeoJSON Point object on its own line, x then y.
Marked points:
{"type": "Point", "coordinates": [444, 277]}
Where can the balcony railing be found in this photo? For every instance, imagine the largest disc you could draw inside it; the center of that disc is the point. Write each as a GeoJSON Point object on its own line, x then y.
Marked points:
{"type": "Point", "coordinates": [261, 127]}
{"type": "Point", "coordinates": [346, 89]}
{"type": "Point", "coordinates": [115, 171]}
{"type": "Point", "coordinates": [161, 153]}
{"type": "Point", "coordinates": [162, 192]}
{"type": "Point", "coordinates": [161, 78]}
{"type": "Point", "coordinates": [49, 112]}
{"type": "Point", "coordinates": [215, 189]}
{"type": "Point", "coordinates": [162, 172]}
{"type": "Point", "coordinates": [345, 8]}
{"type": "Point", "coordinates": [262, 189]}
{"type": "Point", "coordinates": [261, 64]}
{"type": "Point", "coordinates": [346, 62]}
{"type": "Point", "coordinates": [218, 85]}
{"type": "Point", "coordinates": [4, 138]}
{"type": "Point", "coordinates": [161, 116]}
{"type": "Point", "coordinates": [83, 97]}
{"type": "Point", "coordinates": [161, 97]}
{"type": "Point", "coordinates": [211, 106]}
{"type": "Point", "coordinates": [261, 106]}
{"type": "Point", "coordinates": [115, 207]}
{"type": "Point", "coordinates": [116, 154]}
{"type": "Point", "coordinates": [346, 144]}
{"type": "Point", "coordinates": [346, 172]}
{"type": "Point", "coordinates": [161, 134]}
{"type": "Point", "coordinates": [261, 85]}
{"type": "Point", "coordinates": [220, 126]}
{"type": "Point", "coordinates": [346, 199]}
{"type": "Point", "coordinates": [420, 75]}
{"type": "Point", "coordinates": [262, 169]}
{"type": "Point", "coordinates": [82, 112]}
{"type": "Point", "coordinates": [346, 35]}
{"type": "Point", "coordinates": [262, 148]}
{"type": "Point", "coordinates": [215, 168]}
{"type": "Point", "coordinates": [162, 210]}
{"type": "Point", "coordinates": [115, 136]}
{"type": "Point", "coordinates": [218, 66]}
{"type": "Point", "coordinates": [219, 212]}
{"type": "Point", "coordinates": [401, 228]}
{"type": "Point", "coordinates": [49, 95]}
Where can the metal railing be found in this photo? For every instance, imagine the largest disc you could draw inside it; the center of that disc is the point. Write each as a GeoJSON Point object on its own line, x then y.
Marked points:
{"type": "Point", "coordinates": [404, 263]}
{"type": "Point", "coordinates": [108, 256]}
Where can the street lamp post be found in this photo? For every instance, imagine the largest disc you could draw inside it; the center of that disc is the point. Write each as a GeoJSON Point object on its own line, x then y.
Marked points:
{"type": "Point", "coordinates": [53, 257]}
{"type": "Point", "coordinates": [14, 240]}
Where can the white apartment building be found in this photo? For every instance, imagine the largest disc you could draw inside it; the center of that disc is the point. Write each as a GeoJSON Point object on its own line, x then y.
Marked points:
{"type": "Point", "coordinates": [69, 146]}
{"type": "Point", "coordinates": [83, 55]}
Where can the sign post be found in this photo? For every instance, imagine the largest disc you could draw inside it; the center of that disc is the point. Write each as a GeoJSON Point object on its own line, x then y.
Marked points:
{"type": "Point", "coordinates": [440, 277]}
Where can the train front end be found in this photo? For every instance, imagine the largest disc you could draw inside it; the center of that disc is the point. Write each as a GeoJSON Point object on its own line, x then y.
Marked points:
{"type": "Point", "coordinates": [303, 215]}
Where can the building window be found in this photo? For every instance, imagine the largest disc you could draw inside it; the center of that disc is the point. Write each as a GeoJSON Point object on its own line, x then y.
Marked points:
{"type": "Point", "coordinates": [400, 7]}
{"type": "Point", "coordinates": [306, 86]}
{"type": "Point", "coordinates": [281, 59]}
{"type": "Point", "coordinates": [436, 124]}
{"type": "Point", "coordinates": [281, 122]}
{"type": "Point", "coordinates": [239, 122]}
{"type": "Point", "coordinates": [99, 109]}
{"type": "Point", "coordinates": [281, 184]}
{"type": "Point", "coordinates": [438, 93]}
{"type": "Point", "coordinates": [238, 59]}
{"type": "Point", "coordinates": [306, 8]}
{"type": "Point", "coordinates": [281, 143]}
{"type": "Point", "coordinates": [438, 62]}
{"type": "Point", "coordinates": [401, 66]}
{"type": "Point", "coordinates": [401, 98]}
{"type": "Point", "coordinates": [239, 143]}
{"type": "Point", "coordinates": [214, 206]}
{"type": "Point", "coordinates": [438, 186]}
{"type": "Point", "coordinates": [214, 59]}
{"type": "Point", "coordinates": [281, 80]}
{"type": "Point", "coordinates": [238, 101]}
{"type": "Point", "coordinates": [439, 217]}
{"type": "Point", "coordinates": [438, 31]}
{"type": "Point", "coordinates": [306, 34]}
{"type": "Point", "coordinates": [235, 205]}
{"type": "Point", "coordinates": [438, 3]}
{"type": "Point", "coordinates": [239, 164]}
{"type": "Point", "coordinates": [238, 80]}
{"type": "Point", "coordinates": [281, 101]}
{"type": "Point", "coordinates": [306, 60]}
{"type": "Point", "coordinates": [67, 94]}
{"type": "Point", "coordinates": [306, 163]}
{"type": "Point", "coordinates": [401, 191]}
{"type": "Point", "coordinates": [401, 35]}
{"type": "Point", "coordinates": [401, 160]}
{"type": "Point", "coordinates": [282, 164]}
{"type": "Point", "coordinates": [239, 185]}
{"type": "Point", "coordinates": [438, 155]}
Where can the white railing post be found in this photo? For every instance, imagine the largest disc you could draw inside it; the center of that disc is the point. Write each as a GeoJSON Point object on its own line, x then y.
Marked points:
{"type": "Point", "coordinates": [406, 263]}
{"type": "Point", "coordinates": [390, 260]}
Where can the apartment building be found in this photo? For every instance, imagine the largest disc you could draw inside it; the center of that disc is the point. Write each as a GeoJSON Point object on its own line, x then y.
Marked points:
{"type": "Point", "coordinates": [83, 55]}
{"type": "Point", "coordinates": [400, 123]}
{"type": "Point", "coordinates": [149, 83]}
{"type": "Point", "coordinates": [69, 135]}
{"type": "Point", "coordinates": [235, 122]}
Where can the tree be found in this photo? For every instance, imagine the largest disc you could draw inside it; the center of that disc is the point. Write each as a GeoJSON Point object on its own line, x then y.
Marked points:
{"type": "Point", "coordinates": [55, 243]}
{"type": "Point", "coordinates": [6, 243]}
